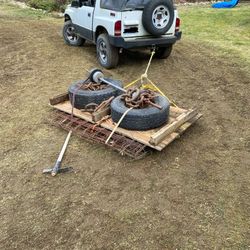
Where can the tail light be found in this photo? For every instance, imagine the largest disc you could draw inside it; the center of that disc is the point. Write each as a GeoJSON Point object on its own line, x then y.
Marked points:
{"type": "Point", "coordinates": [118, 28]}
{"type": "Point", "coordinates": [177, 24]}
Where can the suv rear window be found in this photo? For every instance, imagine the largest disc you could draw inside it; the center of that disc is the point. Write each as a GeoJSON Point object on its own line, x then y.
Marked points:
{"type": "Point", "coordinates": [120, 5]}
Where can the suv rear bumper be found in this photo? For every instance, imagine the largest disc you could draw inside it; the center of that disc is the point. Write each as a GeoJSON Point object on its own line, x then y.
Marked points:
{"type": "Point", "coordinates": [120, 42]}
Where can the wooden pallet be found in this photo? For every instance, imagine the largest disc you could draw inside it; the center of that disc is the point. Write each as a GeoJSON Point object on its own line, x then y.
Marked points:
{"type": "Point", "coordinates": [180, 120]}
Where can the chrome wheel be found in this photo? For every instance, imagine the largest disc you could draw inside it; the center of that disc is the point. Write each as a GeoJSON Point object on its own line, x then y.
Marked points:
{"type": "Point", "coordinates": [106, 53]}
{"type": "Point", "coordinates": [102, 50]}
{"type": "Point", "coordinates": [70, 34]}
{"type": "Point", "coordinates": [160, 17]}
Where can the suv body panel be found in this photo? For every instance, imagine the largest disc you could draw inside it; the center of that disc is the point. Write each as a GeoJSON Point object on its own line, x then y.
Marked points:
{"type": "Point", "coordinates": [132, 19]}
{"type": "Point", "coordinates": [106, 18]}
{"type": "Point", "coordinates": [88, 19]}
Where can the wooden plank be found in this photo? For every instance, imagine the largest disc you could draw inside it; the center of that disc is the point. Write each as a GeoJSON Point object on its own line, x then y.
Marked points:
{"type": "Point", "coordinates": [67, 108]}
{"type": "Point", "coordinates": [186, 125]}
{"type": "Point", "coordinates": [140, 136]}
{"type": "Point", "coordinates": [166, 130]}
{"type": "Point", "coordinates": [59, 98]}
{"type": "Point", "coordinates": [97, 116]}
{"type": "Point", "coordinates": [177, 110]}
{"type": "Point", "coordinates": [175, 135]}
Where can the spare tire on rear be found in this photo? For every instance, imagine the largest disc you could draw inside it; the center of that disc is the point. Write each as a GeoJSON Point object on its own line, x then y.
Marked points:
{"type": "Point", "coordinates": [158, 16]}
{"type": "Point", "coordinates": [141, 119]}
{"type": "Point", "coordinates": [84, 97]}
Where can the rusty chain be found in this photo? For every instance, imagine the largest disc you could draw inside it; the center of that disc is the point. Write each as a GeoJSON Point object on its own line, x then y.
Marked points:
{"type": "Point", "coordinates": [136, 98]}
{"type": "Point", "coordinates": [92, 86]}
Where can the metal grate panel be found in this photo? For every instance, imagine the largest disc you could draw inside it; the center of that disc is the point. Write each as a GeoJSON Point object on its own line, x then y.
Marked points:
{"type": "Point", "coordinates": [94, 133]}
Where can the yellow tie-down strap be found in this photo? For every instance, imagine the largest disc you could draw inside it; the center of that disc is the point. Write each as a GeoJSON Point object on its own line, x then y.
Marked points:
{"type": "Point", "coordinates": [132, 83]}
{"type": "Point", "coordinates": [150, 85]}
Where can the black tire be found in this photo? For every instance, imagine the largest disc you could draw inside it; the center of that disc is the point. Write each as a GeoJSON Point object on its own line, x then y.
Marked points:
{"type": "Point", "coordinates": [70, 37]}
{"type": "Point", "coordinates": [84, 97]}
{"type": "Point", "coordinates": [107, 55]}
{"type": "Point", "coordinates": [150, 12]}
{"type": "Point", "coordinates": [141, 119]}
{"type": "Point", "coordinates": [163, 52]}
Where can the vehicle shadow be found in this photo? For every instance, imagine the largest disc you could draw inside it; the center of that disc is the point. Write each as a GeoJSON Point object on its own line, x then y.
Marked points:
{"type": "Point", "coordinates": [128, 58]}
{"type": "Point", "coordinates": [134, 57]}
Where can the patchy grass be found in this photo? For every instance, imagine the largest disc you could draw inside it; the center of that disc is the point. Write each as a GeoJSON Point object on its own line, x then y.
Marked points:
{"type": "Point", "coordinates": [192, 195]}
{"type": "Point", "coordinates": [226, 29]}
{"type": "Point", "coordinates": [12, 11]}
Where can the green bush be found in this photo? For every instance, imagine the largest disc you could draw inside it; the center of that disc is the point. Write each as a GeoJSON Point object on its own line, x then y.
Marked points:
{"type": "Point", "coordinates": [48, 5]}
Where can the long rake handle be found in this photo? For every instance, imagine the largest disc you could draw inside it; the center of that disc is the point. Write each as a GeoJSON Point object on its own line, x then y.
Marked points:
{"type": "Point", "coordinates": [60, 157]}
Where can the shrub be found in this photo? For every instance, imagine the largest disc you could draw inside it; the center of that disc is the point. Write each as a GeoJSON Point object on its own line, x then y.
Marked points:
{"type": "Point", "coordinates": [49, 5]}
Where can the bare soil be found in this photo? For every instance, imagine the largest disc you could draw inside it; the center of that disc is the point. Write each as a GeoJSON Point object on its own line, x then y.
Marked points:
{"type": "Point", "coordinates": [193, 195]}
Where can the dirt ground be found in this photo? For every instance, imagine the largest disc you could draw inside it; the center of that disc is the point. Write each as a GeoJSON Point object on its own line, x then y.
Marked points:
{"type": "Point", "coordinates": [193, 195]}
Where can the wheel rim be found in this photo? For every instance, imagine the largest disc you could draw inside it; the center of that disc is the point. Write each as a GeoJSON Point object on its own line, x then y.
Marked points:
{"type": "Point", "coordinates": [70, 34]}
{"type": "Point", "coordinates": [160, 17]}
{"type": "Point", "coordinates": [102, 51]}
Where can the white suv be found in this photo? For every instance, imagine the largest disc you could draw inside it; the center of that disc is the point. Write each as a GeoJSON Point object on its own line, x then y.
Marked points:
{"type": "Point", "coordinates": [114, 25]}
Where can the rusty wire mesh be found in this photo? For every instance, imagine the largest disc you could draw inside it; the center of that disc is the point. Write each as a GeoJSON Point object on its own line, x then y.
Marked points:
{"type": "Point", "coordinates": [87, 130]}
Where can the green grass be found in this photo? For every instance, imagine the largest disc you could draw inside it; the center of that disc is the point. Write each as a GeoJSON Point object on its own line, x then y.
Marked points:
{"type": "Point", "coordinates": [13, 11]}
{"type": "Point", "coordinates": [226, 29]}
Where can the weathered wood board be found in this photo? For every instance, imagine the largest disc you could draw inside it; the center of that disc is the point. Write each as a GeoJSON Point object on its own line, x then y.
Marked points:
{"type": "Point", "coordinates": [180, 120]}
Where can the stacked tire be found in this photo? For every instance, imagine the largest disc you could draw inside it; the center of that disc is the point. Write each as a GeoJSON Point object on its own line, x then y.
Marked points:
{"type": "Point", "coordinates": [85, 97]}
{"type": "Point", "coordinates": [141, 119]}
